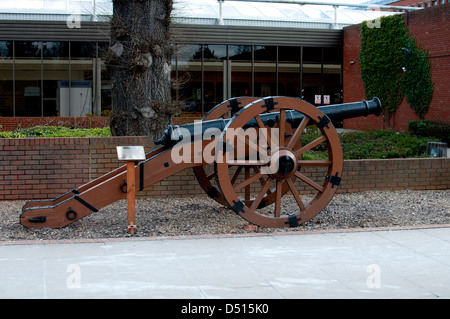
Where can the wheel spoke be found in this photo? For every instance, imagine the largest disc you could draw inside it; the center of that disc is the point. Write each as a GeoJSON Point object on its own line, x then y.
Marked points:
{"type": "Point", "coordinates": [211, 176]}
{"type": "Point", "coordinates": [247, 181]}
{"type": "Point", "coordinates": [247, 188]}
{"type": "Point", "coordinates": [277, 212]}
{"type": "Point", "coordinates": [264, 130]}
{"type": "Point", "coordinates": [247, 163]}
{"type": "Point", "coordinates": [309, 182]}
{"type": "Point", "coordinates": [296, 194]}
{"type": "Point", "coordinates": [314, 163]}
{"type": "Point", "coordinates": [236, 174]}
{"type": "Point", "coordinates": [298, 132]}
{"type": "Point", "coordinates": [261, 179]}
{"type": "Point", "coordinates": [261, 194]}
{"type": "Point", "coordinates": [282, 126]}
{"type": "Point", "coordinates": [310, 146]}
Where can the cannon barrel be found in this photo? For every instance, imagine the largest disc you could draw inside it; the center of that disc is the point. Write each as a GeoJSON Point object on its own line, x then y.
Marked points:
{"type": "Point", "coordinates": [336, 112]}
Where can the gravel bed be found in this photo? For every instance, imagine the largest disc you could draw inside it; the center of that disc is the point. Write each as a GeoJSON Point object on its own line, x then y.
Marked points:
{"type": "Point", "coordinates": [203, 216]}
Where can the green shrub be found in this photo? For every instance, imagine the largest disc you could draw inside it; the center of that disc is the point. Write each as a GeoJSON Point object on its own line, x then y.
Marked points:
{"type": "Point", "coordinates": [376, 144]}
{"type": "Point", "coordinates": [11, 135]}
{"type": "Point", "coordinates": [380, 144]}
{"type": "Point", "coordinates": [438, 131]}
{"type": "Point", "coordinates": [56, 131]}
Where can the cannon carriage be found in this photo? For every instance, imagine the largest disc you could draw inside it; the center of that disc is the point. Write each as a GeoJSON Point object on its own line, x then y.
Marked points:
{"type": "Point", "coordinates": [247, 153]}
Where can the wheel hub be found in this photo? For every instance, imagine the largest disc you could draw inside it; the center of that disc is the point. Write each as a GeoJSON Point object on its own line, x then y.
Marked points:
{"type": "Point", "coordinates": [286, 163]}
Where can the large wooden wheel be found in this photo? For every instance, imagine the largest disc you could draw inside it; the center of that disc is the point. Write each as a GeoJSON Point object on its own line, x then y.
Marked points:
{"type": "Point", "coordinates": [286, 165]}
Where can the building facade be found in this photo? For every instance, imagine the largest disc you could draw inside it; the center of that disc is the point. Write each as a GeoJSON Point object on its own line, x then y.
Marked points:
{"type": "Point", "coordinates": [69, 78]}
{"type": "Point", "coordinates": [51, 56]}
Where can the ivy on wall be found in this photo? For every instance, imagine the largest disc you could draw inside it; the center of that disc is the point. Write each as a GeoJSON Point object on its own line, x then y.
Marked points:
{"type": "Point", "coordinates": [392, 66]}
{"type": "Point", "coordinates": [417, 80]}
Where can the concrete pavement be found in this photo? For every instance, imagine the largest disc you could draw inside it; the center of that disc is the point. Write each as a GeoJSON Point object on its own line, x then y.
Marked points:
{"type": "Point", "coordinates": [374, 264]}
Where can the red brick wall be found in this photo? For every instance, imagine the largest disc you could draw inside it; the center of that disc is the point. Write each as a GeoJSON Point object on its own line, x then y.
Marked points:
{"type": "Point", "coordinates": [353, 85]}
{"type": "Point", "coordinates": [12, 123]}
{"type": "Point", "coordinates": [44, 168]}
{"type": "Point", "coordinates": [430, 28]}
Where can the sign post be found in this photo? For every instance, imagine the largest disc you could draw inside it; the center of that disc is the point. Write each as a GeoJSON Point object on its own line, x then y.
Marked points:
{"type": "Point", "coordinates": [131, 154]}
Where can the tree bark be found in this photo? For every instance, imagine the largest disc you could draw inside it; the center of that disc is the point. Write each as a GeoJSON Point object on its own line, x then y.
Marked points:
{"type": "Point", "coordinates": [139, 62]}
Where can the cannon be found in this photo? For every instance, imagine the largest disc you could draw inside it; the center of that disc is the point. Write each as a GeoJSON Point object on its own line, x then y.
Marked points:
{"type": "Point", "coordinates": [256, 156]}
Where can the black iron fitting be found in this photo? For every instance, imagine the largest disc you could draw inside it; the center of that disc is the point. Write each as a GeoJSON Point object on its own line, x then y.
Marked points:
{"type": "Point", "coordinates": [270, 104]}
{"type": "Point", "coordinates": [293, 221]}
{"type": "Point", "coordinates": [323, 122]}
{"type": "Point", "coordinates": [238, 207]}
{"type": "Point", "coordinates": [234, 105]}
{"type": "Point", "coordinates": [40, 219]}
{"type": "Point", "coordinates": [86, 204]}
{"type": "Point", "coordinates": [335, 180]}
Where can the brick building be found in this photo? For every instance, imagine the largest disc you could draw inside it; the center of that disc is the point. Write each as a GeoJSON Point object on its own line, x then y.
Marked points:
{"type": "Point", "coordinates": [430, 27]}
{"type": "Point", "coordinates": [52, 68]}
{"type": "Point", "coordinates": [51, 56]}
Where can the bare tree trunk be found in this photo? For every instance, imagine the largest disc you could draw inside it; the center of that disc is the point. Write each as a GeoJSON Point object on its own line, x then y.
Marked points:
{"type": "Point", "coordinates": [139, 61]}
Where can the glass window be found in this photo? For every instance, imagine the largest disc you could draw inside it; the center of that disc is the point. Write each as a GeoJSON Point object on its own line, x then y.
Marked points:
{"type": "Point", "coordinates": [28, 71]}
{"type": "Point", "coordinates": [83, 73]}
{"type": "Point", "coordinates": [28, 49]}
{"type": "Point", "coordinates": [240, 52]}
{"type": "Point", "coordinates": [265, 53]}
{"type": "Point", "coordinates": [188, 83]}
{"type": "Point", "coordinates": [82, 50]}
{"type": "Point", "coordinates": [6, 79]}
{"type": "Point", "coordinates": [55, 50]}
{"type": "Point", "coordinates": [6, 49]}
{"type": "Point", "coordinates": [214, 60]}
{"type": "Point", "coordinates": [289, 71]}
{"type": "Point", "coordinates": [332, 55]}
{"type": "Point", "coordinates": [312, 55]}
{"type": "Point", "coordinates": [331, 78]}
{"type": "Point", "coordinates": [289, 54]}
{"type": "Point", "coordinates": [240, 61]}
{"type": "Point", "coordinates": [265, 71]}
{"type": "Point", "coordinates": [312, 74]}
{"type": "Point", "coordinates": [56, 98]}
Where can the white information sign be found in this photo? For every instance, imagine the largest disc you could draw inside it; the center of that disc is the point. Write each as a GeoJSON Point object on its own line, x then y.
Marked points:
{"type": "Point", "coordinates": [130, 153]}
{"type": "Point", "coordinates": [317, 99]}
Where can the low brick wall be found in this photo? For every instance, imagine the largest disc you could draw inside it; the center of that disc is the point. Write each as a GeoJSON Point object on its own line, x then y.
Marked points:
{"type": "Point", "coordinates": [396, 174]}
{"type": "Point", "coordinates": [42, 168]}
